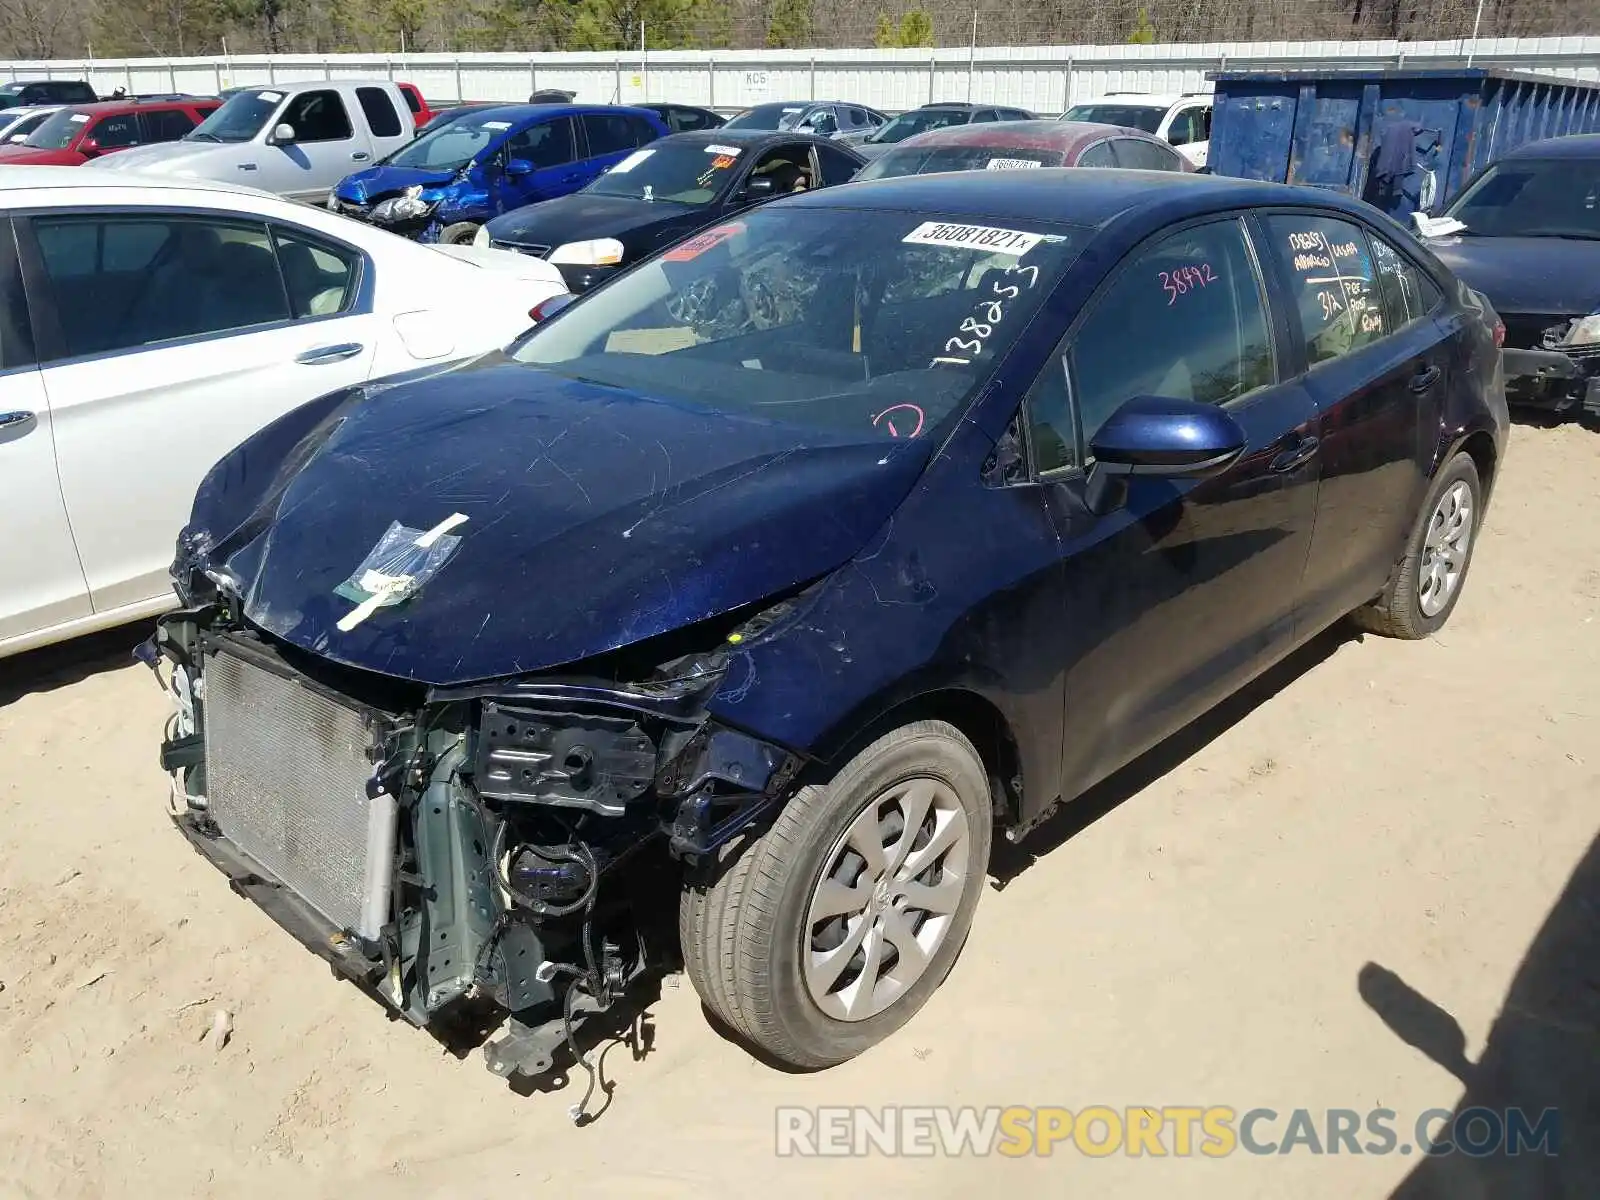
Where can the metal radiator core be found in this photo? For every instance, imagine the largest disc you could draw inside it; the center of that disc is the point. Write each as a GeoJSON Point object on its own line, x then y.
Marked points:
{"type": "Point", "coordinates": [286, 773]}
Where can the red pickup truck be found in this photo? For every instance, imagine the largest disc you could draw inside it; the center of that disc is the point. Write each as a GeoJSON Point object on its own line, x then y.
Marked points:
{"type": "Point", "coordinates": [74, 135]}
{"type": "Point", "coordinates": [421, 113]}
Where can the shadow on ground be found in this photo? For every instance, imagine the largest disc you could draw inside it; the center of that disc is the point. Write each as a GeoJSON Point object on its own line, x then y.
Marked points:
{"type": "Point", "coordinates": [1542, 1055]}
{"type": "Point", "coordinates": [62, 665]}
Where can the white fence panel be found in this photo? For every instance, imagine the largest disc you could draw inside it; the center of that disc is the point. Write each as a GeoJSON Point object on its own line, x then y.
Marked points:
{"type": "Point", "coordinates": [1044, 78]}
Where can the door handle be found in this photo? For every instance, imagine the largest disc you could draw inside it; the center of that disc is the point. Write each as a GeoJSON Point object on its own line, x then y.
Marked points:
{"type": "Point", "coordinates": [247, 166]}
{"type": "Point", "coordinates": [328, 354]}
{"type": "Point", "coordinates": [1425, 379]}
{"type": "Point", "coordinates": [16, 424]}
{"type": "Point", "coordinates": [360, 156]}
{"type": "Point", "coordinates": [1299, 452]}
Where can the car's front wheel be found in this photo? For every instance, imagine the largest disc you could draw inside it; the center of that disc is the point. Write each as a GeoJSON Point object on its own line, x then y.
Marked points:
{"type": "Point", "coordinates": [828, 932]}
{"type": "Point", "coordinates": [1427, 582]}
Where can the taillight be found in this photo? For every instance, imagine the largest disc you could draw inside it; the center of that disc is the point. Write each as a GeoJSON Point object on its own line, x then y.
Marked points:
{"type": "Point", "coordinates": [1499, 333]}
{"type": "Point", "coordinates": [546, 309]}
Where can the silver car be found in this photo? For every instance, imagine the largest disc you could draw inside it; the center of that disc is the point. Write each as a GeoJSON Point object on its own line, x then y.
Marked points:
{"type": "Point", "coordinates": [825, 118]}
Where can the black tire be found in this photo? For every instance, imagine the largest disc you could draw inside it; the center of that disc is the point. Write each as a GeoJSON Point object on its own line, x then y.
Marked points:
{"type": "Point", "coordinates": [1398, 612]}
{"type": "Point", "coordinates": [742, 933]}
{"type": "Point", "coordinates": [459, 234]}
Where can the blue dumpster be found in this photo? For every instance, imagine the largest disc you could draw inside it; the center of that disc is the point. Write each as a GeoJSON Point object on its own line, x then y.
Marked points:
{"type": "Point", "coordinates": [1402, 140]}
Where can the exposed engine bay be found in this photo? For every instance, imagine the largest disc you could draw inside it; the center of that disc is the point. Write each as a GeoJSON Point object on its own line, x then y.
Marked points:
{"type": "Point", "coordinates": [510, 844]}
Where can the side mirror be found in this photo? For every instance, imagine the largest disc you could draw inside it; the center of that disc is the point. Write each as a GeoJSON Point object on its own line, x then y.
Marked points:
{"type": "Point", "coordinates": [518, 168]}
{"type": "Point", "coordinates": [758, 187]}
{"type": "Point", "coordinates": [283, 134]}
{"type": "Point", "coordinates": [1160, 437]}
{"type": "Point", "coordinates": [89, 148]}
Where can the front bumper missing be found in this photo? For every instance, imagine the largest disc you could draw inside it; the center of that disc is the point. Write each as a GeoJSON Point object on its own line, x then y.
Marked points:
{"type": "Point", "coordinates": [255, 883]}
{"type": "Point", "coordinates": [1552, 380]}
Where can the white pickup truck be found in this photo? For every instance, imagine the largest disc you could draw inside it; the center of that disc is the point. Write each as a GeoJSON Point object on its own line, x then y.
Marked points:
{"type": "Point", "coordinates": [297, 140]}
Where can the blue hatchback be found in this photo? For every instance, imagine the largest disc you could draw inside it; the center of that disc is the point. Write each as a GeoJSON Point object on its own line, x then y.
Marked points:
{"type": "Point", "coordinates": [773, 580]}
{"type": "Point", "coordinates": [449, 181]}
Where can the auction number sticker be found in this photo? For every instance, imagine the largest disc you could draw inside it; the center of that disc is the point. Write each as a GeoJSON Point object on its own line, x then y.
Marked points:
{"type": "Point", "coordinates": [270, 97]}
{"type": "Point", "coordinates": [497, 124]}
{"type": "Point", "coordinates": [1012, 164]}
{"type": "Point", "coordinates": [693, 248]}
{"type": "Point", "coordinates": [724, 151]}
{"type": "Point", "coordinates": [973, 237]}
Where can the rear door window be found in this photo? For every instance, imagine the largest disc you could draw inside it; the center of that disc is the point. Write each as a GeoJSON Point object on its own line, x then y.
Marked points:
{"type": "Point", "coordinates": [165, 124]}
{"type": "Point", "coordinates": [1329, 268]}
{"type": "Point", "coordinates": [318, 117]}
{"type": "Point", "coordinates": [412, 100]}
{"type": "Point", "coordinates": [1406, 293]}
{"type": "Point", "coordinates": [643, 132]}
{"type": "Point", "coordinates": [1144, 156]}
{"type": "Point", "coordinates": [113, 133]}
{"type": "Point", "coordinates": [125, 282]}
{"type": "Point", "coordinates": [321, 278]}
{"type": "Point", "coordinates": [608, 133]}
{"type": "Point", "coordinates": [837, 166]}
{"type": "Point", "coordinates": [379, 111]}
{"type": "Point", "coordinates": [547, 144]}
{"type": "Point", "coordinates": [1098, 155]}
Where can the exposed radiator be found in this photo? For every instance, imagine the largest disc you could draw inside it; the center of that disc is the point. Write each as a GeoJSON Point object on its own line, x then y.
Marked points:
{"type": "Point", "coordinates": [286, 782]}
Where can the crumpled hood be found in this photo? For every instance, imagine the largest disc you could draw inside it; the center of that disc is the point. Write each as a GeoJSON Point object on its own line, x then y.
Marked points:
{"type": "Point", "coordinates": [581, 216]}
{"type": "Point", "coordinates": [1527, 275]}
{"type": "Point", "coordinates": [174, 158]}
{"type": "Point", "coordinates": [596, 517]}
{"type": "Point", "coordinates": [380, 181]}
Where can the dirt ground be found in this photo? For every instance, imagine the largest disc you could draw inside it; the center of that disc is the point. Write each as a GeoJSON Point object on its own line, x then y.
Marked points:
{"type": "Point", "coordinates": [1194, 932]}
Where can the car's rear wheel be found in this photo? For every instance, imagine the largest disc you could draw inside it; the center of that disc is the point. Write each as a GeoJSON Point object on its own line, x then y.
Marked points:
{"type": "Point", "coordinates": [459, 234]}
{"type": "Point", "coordinates": [1427, 582]}
{"type": "Point", "coordinates": [827, 933]}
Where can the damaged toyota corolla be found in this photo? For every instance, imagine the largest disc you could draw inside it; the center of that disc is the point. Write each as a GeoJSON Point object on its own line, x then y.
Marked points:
{"type": "Point", "coordinates": [776, 573]}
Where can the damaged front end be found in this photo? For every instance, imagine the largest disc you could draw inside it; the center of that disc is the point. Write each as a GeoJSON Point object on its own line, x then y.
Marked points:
{"type": "Point", "coordinates": [1553, 362]}
{"type": "Point", "coordinates": [497, 843]}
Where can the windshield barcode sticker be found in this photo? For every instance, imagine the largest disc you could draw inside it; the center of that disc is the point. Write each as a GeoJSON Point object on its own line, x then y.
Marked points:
{"type": "Point", "coordinates": [497, 124]}
{"type": "Point", "coordinates": [632, 161]}
{"type": "Point", "coordinates": [270, 97]}
{"type": "Point", "coordinates": [78, 118]}
{"type": "Point", "coordinates": [1011, 164]}
{"type": "Point", "coordinates": [724, 151]}
{"type": "Point", "coordinates": [973, 237]}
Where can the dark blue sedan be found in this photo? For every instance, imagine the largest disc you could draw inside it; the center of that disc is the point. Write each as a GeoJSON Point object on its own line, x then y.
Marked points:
{"type": "Point", "coordinates": [796, 564]}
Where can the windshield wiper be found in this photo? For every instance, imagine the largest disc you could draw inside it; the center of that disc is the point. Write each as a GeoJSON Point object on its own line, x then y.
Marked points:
{"type": "Point", "coordinates": [202, 137]}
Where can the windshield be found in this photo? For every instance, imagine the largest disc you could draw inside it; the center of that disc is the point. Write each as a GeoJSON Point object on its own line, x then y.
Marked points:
{"type": "Point", "coordinates": [912, 123]}
{"type": "Point", "coordinates": [926, 160]}
{"type": "Point", "coordinates": [452, 146]}
{"type": "Point", "coordinates": [242, 116]}
{"type": "Point", "coordinates": [1533, 198]}
{"type": "Point", "coordinates": [24, 126]}
{"type": "Point", "coordinates": [58, 130]}
{"type": "Point", "coordinates": [685, 173]}
{"type": "Point", "coordinates": [767, 116]}
{"type": "Point", "coordinates": [877, 323]}
{"type": "Point", "coordinates": [1129, 116]}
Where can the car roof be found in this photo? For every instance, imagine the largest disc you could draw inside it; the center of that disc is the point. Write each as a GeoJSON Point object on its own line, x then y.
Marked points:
{"type": "Point", "coordinates": [1072, 196]}
{"type": "Point", "coordinates": [102, 108]}
{"type": "Point", "coordinates": [1580, 145]}
{"type": "Point", "coordinates": [1035, 135]}
{"type": "Point", "coordinates": [20, 178]}
{"type": "Point", "coordinates": [1141, 99]}
{"type": "Point", "coordinates": [741, 136]}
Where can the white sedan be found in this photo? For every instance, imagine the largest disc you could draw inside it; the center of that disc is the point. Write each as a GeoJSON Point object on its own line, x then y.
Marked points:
{"type": "Point", "coordinates": [149, 326]}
